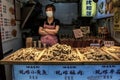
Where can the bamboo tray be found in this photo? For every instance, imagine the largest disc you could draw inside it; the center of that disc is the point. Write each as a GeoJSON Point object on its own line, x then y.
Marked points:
{"type": "Point", "coordinates": [114, 51]}
{"type": "Point", "coordinates": [73, 56]}
{"type": "Point", "coordinates": [11, 59]}
{"type": "Point", "coordinates": [26, 53]}
{"type": "Point", "coordinates": [96, 54]}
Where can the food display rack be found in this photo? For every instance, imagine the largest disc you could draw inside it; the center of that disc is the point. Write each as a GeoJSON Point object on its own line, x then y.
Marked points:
{"type": "Point", "coordinates": [77, 65]}
{"type": "Point", "coordinates": [87, 55]}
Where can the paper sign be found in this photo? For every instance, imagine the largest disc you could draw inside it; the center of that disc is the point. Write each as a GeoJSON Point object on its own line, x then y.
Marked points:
{"type": "Point", "coordinates": [66, 72]}
{"type": "Point", "coordinates": [85, 29]}
{"type": "Point", "coordinates": [95, 45]}
{"type": "Point", "coordinates": [78, 33]}
{"type": "Point", "coordinates": [109, 43]}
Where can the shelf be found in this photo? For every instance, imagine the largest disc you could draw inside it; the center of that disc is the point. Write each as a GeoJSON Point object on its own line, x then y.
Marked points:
{"type": "Point", "coordinates": [58, 62]}
{"type": "Point", "coordinates": [104, 16]}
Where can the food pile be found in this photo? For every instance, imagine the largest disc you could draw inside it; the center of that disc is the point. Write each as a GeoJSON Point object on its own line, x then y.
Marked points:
{"type": "Point", "coordinates": [114, 50]}
{"type": "Point", "coordinates": [25, 54]}
{"type": "Point", "coordinates": [95, 54]}
{"type": "Point", "coordinates": [60, 53]}
{"type": "Point", "coordinates": [63, 52]}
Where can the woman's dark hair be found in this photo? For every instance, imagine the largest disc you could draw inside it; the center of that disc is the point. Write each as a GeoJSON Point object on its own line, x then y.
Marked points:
{"type": "Point", "coordinates": [50, 6]}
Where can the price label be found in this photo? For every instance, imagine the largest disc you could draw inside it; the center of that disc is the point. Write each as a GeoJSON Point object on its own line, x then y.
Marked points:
{"type": "Point", "coordinates": [78, 33]}
{"type": "Point", "coordinates": [95, 45]}
{"type": "Point", "coordinates": [109, 43]}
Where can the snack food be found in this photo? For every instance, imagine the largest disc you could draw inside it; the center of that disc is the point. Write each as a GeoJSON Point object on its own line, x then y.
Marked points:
{"type": "Point", "coordinates": [25, 54]}
{"type": "Point", "coordinates": [95, 54]}
{"type": "Point", "coordinates": [60, 52]}
{"type": "Point", "coordinates": [113, 50]}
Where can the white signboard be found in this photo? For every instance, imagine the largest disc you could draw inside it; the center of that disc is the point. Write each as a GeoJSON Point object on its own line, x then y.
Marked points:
{"type": "Point", "coordinates": [7, 20]}
{"type": "Point", "coordinates": [66, 72]}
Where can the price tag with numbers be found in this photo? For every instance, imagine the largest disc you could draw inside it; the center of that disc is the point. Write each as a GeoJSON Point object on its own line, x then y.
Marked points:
{"type": "Point", "coordinates": [109, 43]}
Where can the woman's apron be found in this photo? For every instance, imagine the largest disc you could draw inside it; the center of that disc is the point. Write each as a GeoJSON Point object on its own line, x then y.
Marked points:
{"type": "Point", "coordinates": [49, 40]}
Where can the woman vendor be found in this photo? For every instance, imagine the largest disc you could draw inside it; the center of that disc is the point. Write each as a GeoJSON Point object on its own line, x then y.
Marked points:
{"type": "Point", "coordinates": [49, 27]}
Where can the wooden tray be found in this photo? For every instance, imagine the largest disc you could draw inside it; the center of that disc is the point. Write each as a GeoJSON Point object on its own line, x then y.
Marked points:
{"type": "Point", "coordinates": [45, 56]}
{"type": "Point", "coordinates": [82, 59]}
{"type": "Point", "coordinates": [113, 53]}
{"type": "Point", "coordinates": [102, 52]}
{"type": "Point", "coordinates": [19, 53]}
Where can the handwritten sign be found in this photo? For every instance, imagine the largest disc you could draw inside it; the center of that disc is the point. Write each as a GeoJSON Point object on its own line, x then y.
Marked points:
{"type": "Point", "coordinates": [78, 33]}
{"type": "Point", "coordinates": [66, 72]}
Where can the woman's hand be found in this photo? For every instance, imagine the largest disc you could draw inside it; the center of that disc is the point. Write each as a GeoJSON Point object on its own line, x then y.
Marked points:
{"type": "Point", "coordinates": [42, 31]}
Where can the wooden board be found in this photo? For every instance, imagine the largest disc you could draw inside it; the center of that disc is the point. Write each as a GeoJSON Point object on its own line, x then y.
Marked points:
{"type": "Point", "coordinates": [95, 54]}
{"type": "Point", "coordinates": [82, 59]}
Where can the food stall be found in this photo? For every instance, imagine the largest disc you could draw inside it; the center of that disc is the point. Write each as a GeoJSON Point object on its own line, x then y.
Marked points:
{"type": "Point", "coordinates": [80, 56]}
{"type": "Point", "coordinates": [66, 63]}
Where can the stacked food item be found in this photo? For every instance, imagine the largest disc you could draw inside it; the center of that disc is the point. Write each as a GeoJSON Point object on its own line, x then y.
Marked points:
{"type": "Point", "coordinates": [55, 53]}
{"type": "Point", "coordinates": [60, 53]}
{"type": "Point", "coordinates": [113, 50]}
{"type": "Point", "coordinates": [95, 54]}
{"type": "Point", "coordinates": [63, 52]}
{"type": "Point", "coordinates": [25, 54]}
